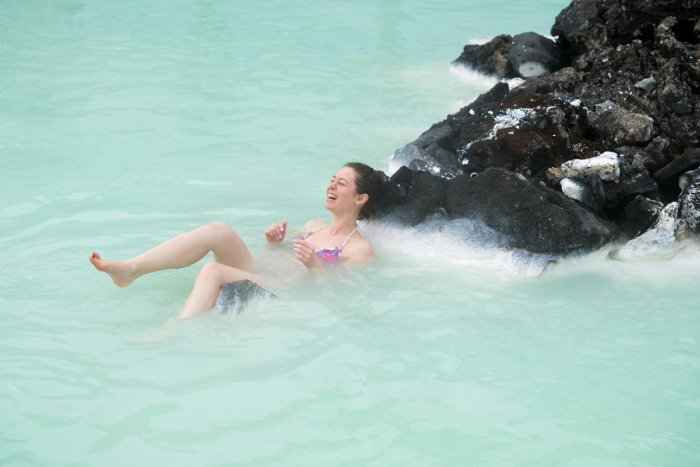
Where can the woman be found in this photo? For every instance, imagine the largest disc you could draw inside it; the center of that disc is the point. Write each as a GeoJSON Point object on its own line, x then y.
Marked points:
{"type": "Point", "coordinates": [351, 195]}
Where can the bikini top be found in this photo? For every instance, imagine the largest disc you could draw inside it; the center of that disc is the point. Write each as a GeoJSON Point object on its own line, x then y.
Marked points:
{"type": "Point", "coordinates": [329, 255]}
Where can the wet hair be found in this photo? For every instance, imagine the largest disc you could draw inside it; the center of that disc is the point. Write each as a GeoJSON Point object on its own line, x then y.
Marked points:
{"type": "Point", "coordinates": [370, 182]}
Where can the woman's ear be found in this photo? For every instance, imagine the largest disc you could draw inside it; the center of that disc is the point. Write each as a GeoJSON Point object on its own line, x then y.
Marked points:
{"type": "Point", "coordinates": [361, 199]}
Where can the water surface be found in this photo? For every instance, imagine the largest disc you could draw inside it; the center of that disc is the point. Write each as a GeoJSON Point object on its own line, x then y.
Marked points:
{"type": "Point", "coordinates": [124, 123]}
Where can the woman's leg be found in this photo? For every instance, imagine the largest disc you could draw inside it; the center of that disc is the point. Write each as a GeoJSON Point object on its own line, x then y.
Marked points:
{"type": "Point", "coordinates": [208, 284]}
{"type": "Point", "coordinates": [178, 252]}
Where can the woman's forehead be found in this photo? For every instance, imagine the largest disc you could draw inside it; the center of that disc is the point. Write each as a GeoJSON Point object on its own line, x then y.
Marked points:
{"type": "Point", "coordinates": [348, 173]}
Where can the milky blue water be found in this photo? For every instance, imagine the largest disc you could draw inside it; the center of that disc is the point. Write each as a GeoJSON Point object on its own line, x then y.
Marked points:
{"type": "Point", "coordinates": [124, 123]}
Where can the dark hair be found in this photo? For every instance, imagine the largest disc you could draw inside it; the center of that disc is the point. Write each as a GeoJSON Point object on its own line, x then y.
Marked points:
{"type": "Point", "coordinates": [370, 182]}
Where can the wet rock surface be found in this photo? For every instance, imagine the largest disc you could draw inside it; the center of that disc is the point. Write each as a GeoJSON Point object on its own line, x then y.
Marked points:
{"type": "Point", "coordinates": [622, 77]}
{"type": "Point", "coordinates": [234, 296]}
{"type": "Point", "coordinates": [689, 200]}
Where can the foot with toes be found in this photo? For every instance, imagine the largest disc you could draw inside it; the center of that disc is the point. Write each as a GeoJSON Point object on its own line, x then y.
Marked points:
{"type": "Point", "coordinates": [121, 273]}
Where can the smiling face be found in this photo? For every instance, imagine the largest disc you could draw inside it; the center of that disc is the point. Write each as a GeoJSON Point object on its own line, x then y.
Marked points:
{"type": "Point", "coordinates": [341, 194]}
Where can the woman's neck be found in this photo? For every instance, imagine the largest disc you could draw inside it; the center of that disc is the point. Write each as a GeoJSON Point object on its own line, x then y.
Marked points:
{"type": "Point", "coordinates": [342, 225]}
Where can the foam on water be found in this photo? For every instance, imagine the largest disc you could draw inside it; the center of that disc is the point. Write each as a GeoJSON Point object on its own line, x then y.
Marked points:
{"type": "Point", "coordinates": [464, 243]}
{"type": "Point", "coordinates": [457, 243]}
{"type": "Point", "coordinates": [470, 75]}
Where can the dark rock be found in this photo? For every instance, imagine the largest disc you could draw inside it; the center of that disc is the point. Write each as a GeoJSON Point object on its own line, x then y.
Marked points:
{"type": "Point", "coordinates": [435, 150]}
{"type": "Point", "coordinates": [412, 196]}
{"type": "Point", "coordinates": [626, 20]}
{"type": "Point", "coordinates": [619, 126]}
{"type": "Point", "coordinates": [656, 154]}
{"type": "Point", "coordinates": [670, 172]}
{"type": "Point", "coordinates": [234, 296]}
{"type": "Point", "coordinates": [494, 95]}
{"type": "Point", "coordinates": [534, 55]}
{"type": "Point", "coordinates": [588, 191]}
{"type": "Point", "coordinates": [639, 215]}
{"type": "Point", "coordinates": [640, 183]}
{"type": "Point", "coordinates": [689, 200]}
{"type": "Point", "coordinates": [657, 243]}
{"type": "Point", "coordinates": [490, 58]}
{"type": "Point", "coordinates": [530, 216]}
{"type": "Point", "coordinates": [595, 184]}
{"type": "Point", "coordinates": [527, 133]}
{"type": "Point", "coordinates": [640, 58]}
{"type": "Point", "coordinates": [575, 23]}
{"type": "Point", "coordinates": [677, 98]}
{"type": "Point", "coordinates": [426, 153]}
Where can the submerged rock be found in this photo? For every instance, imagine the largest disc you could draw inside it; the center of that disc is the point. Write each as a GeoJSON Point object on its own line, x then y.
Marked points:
{"type": "Point", "coordinates": [234, 296]}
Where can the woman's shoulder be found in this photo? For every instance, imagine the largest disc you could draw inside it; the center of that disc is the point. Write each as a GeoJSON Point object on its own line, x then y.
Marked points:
{"type": "Point", "coordinates": [358, 249]}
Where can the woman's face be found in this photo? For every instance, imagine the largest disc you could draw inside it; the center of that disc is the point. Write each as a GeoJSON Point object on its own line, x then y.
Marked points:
{"type": "Point", "coordinates": [340, 193]}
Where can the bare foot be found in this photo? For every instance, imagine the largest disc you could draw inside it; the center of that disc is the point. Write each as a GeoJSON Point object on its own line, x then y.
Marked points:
{"type": "Point", "coordinates": [121, 273]}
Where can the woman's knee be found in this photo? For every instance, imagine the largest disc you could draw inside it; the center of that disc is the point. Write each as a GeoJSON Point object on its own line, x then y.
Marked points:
{"type": "Point", "coordinates": [220, 231]}
{"type": "Point", "coordinates": [212, 271]}
{"type": "Point", "coordinates": [219, 227]}
{"type": "Point", "coordinates": [217, 272]}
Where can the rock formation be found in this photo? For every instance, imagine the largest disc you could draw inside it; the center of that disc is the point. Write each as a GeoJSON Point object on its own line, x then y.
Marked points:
{"type": "Point", "coordinates": [587, 149]}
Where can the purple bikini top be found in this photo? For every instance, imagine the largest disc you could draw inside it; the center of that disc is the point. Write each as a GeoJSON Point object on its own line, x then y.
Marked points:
{"type": "Point", "coordinates": [329, 255]}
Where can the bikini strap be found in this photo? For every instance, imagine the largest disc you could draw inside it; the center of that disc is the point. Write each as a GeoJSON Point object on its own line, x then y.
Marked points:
{"type": "Point", "coordinates": [339, 247]}
{"type": "Point", "coordinates": [342, 245]}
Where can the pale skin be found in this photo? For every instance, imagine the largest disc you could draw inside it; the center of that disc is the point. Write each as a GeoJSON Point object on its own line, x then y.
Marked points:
{"type": "Point", "coordinates": [232, 260]}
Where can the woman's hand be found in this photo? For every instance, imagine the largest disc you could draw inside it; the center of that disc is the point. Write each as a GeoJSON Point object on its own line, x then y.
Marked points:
{"type": "Point", "coordinates": [275, 232]}
{"type": "Point", "coordinates": [306, 254]}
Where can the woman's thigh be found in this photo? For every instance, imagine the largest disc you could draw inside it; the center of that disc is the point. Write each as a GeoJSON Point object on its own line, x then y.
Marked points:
{"type": "Point", "coordinates": [228, 247]}
{"type": "Point", "coordinates": [225, 274]}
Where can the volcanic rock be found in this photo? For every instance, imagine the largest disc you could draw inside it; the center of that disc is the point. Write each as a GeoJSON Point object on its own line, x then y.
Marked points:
{"type": "Point", "coordinates": [624, 78]}
{"type": "Point", "coordinates": [689, 200]}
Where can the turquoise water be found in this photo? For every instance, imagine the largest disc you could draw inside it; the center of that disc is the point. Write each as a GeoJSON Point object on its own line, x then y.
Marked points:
{"type": "Point", "coordinates": [124, 123]}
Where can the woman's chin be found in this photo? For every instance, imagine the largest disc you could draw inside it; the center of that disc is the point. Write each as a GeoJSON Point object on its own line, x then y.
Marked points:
{"type": "Point", "coordinates": [334, 209]}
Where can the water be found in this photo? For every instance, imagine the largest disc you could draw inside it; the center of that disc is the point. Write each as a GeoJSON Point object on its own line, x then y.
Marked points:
{"type": "Point", "coordinates": [124, 123]}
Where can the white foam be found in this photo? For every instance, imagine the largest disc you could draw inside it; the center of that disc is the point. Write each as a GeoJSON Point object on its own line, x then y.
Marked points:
{"type": "Point", "coordinates": [472, 76]}
{"type": "Point", "coordinates": [532, 69]}
{"type": "Point", "coordinates": [514, 83]}
{"type": "Point", "coordinates": [458, 243]}
{"type": "Point", "coordinates": [479, 40]}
